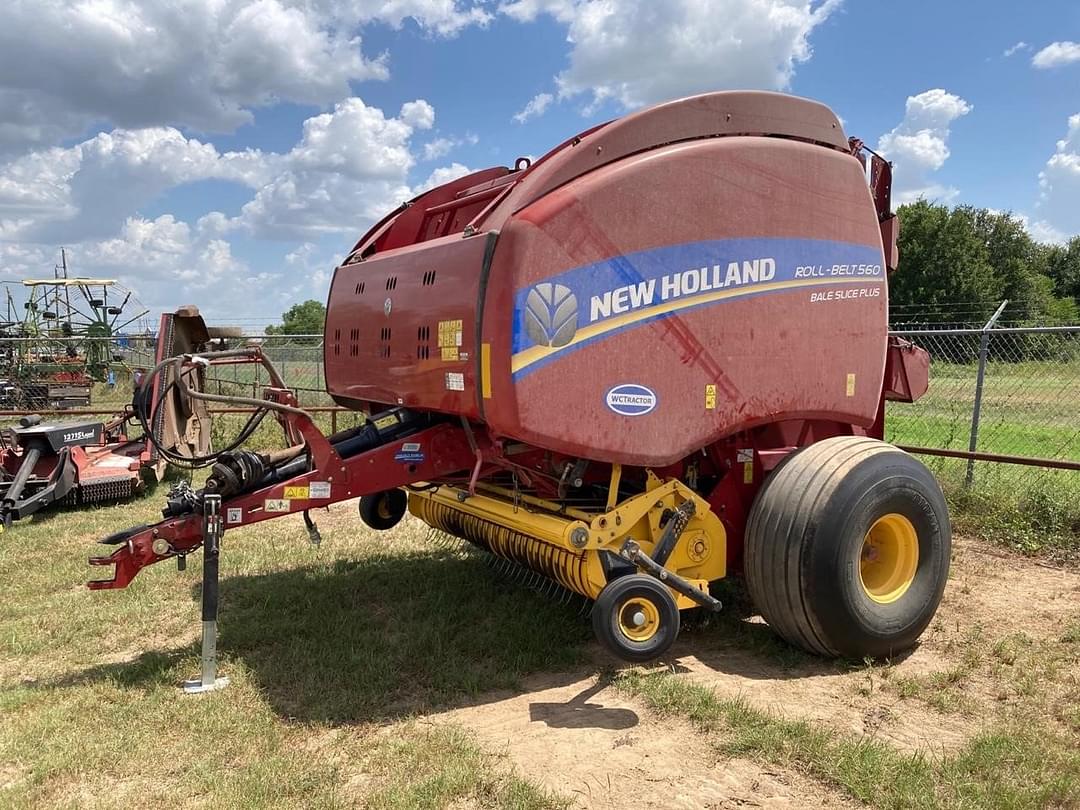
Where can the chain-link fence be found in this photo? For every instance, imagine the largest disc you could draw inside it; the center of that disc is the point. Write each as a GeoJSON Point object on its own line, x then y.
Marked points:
{"type": "Point", "coordinates": [1005, 392]}
{"type": "Point", "coordinates": [24, 363]}
{"type": "Point", "coordinates": [1009, 392]}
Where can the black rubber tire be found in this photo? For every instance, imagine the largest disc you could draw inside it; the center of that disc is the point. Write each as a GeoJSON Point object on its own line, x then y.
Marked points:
{"type": "Point", "coordinates": [617, 595]}
{"type": "Point", "coordinates": [804, 544]}
{"type": "Point", "coordinates": [384, 510]}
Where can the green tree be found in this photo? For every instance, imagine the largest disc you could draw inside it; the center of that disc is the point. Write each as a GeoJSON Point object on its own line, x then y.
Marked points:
{"type": "Point", "coordinates": [1019, 263]}
{"type": "Point", "coordinates": [1063, 267]}
{"type": "Point", "coordinates": [301, 319]}
{"type": "Point", "coordinates": [945, 272]}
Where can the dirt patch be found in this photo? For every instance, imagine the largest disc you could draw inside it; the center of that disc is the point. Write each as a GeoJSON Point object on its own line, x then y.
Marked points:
{"type": "Point", "coordinates": [1006, 593]}
{"type": "Point", "coordinates": [594, 744]}
{"type": "Point", "coordinates": [850, 702]}
{"type": "Point", "coordinates": [588, 742]}
{"type": "Point", "coordinates": [990, 595]}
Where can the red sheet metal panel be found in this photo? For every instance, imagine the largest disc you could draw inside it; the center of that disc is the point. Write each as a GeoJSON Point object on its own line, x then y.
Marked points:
{"type": "Point", "coordinates": [636, 300]}
{"type": "Point", "coordinates": [686, 293]}
{"type": "Point", "coordinates": [401, 327]}
{"type": "Point", "coordinates": [709, 115]}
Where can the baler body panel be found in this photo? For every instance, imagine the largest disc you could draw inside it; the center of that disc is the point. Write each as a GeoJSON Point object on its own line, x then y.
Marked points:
{"type": "Point", "coordinates": [681, 295]}
{"type": "Point", "coordinates": [642, 291]}
{"type": "Point", "coordinates": [401, 327]}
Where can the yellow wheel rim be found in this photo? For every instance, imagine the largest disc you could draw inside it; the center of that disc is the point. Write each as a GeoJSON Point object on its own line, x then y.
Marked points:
{"type": "Point", "coordinates": [890, 557]}
{"type": "Point", "coordinates": [639, 619]}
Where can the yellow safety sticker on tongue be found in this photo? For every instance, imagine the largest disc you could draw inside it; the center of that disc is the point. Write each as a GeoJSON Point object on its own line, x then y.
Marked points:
{"type": "Point", "coordinates": [710, 397]}
{"type": "Point", "coordinates": [297, 492]}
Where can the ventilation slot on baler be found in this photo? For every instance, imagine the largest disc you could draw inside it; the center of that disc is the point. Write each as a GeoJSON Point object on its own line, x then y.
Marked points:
{"type": "Point", "coordinates": [423, 348]}
{"type": "Point", "coordinates": [337, 342]}
{"type": "Point", "coordinates": [354, 343]}
{"type": "Point", "coordinates": [429, 278]}
{"type": "Point", "coordinates": [384, 342]}
{"type": "Point", "coordinates": [359, 288]}
{"type": "Point", "coordinates": [391, 283]}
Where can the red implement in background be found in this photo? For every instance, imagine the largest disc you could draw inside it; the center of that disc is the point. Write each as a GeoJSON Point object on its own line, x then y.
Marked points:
{"type": "Point", "coordinates": [82, 462]}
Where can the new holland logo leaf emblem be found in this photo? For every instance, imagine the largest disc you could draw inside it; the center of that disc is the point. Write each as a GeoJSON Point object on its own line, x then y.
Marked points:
{"type": "Point", "coordinates": [551, 314]}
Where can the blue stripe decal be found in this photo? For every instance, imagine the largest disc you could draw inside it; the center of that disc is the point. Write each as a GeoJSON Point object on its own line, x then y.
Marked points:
{"type": "Point", "coordinates": [568, 311]}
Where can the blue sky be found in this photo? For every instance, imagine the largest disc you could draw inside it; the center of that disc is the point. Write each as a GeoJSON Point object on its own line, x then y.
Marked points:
{"type": "Point", "coordinates": [226, 153]}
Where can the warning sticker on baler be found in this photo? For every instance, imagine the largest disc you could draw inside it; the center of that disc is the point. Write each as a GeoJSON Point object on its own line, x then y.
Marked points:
{"type": "Point", "coordinates": [449, 333]}
{"type": "Point", "coordinates": [298, 492]}
{"type": "Point", "coordinates": [319, 489]}
{"type": "Point", "coordinates": [455, 381]}
{"type": "Point", "coordinates": [234, 514]}
{"type": "Point", "coordinates": [277, 505]}
{"type": "Point", "coordinates": [384, 422]}
{"type": "Point", "coordinates": [710, 397]}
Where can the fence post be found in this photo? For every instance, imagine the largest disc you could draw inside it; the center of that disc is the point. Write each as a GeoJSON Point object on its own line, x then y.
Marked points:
{"type": "Point", "coordinates": [984, 346]}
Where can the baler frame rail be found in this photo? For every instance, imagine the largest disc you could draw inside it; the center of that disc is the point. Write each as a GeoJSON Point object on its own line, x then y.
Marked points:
{"type": "Point", "coordinates": [327, 477]}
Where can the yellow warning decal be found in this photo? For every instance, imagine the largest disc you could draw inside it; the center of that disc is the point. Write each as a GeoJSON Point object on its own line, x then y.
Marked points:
{"type": "Point", "coordinates": [449, 353]}
{"type": "Point", "coordinates": [748, 472]}
{"type": "Point", "coordinates": [297, 492]}
{"type": "Point", "coordinates": [449, 333]}
{"type": "Point", "coordinates": [710, 397]}
{"type": "Point", "coordinates": [851, 385]}
{"type": "Point", "coordinates": [384, 422]}
{"type": "Point", "coordinates": [276, 505]}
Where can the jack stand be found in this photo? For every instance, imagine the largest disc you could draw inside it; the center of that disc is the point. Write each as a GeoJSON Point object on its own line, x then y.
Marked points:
{"type": "Point", "coordinates": [312, 530]}
{"type": "Point", "coordinates": [212, 531]}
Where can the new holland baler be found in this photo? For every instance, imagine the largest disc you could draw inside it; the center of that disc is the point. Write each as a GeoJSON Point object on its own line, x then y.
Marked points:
{"type": "Point", "coordinates": [653, 358]}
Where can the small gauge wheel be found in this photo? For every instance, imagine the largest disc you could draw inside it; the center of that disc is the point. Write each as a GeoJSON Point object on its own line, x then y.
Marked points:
{"type": "Point", "coordinates": [636, 618]}
{"type": "Point", "coordinates": [384, 510]}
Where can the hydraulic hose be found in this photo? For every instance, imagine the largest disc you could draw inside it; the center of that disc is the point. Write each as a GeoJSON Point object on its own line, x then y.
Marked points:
{"type": "Point", "coordinates": [146, 419]}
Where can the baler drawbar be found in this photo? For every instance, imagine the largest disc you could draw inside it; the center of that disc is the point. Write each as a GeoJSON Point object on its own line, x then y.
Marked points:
{"type": "Point", "coordinates": [655, 356]}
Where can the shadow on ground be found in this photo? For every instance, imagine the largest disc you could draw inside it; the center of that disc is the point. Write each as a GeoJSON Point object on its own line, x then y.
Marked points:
{"type": "Point", "coordinates": [387, 637]}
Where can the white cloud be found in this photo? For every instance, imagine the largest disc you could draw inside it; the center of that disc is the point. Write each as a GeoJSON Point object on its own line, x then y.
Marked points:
{"type": "Point", "coordinates": [418, 114]}
{"type": "Point", "coordinates": [918, 145]}
{"type": "Point", "coordinates": [1042, 231]}
{"type": "Point", "coordinates": [443, 17]}
{"type": "Point", "coordinates": [201, 64]}
{"type": "Point", "coordinates": [88, 190]}
{"type": "Point", "coordinates": [1057, 54]}
{"type": "Point", "coordinates": [350, 167]}
{"type": "Point", "coordinates": [1059, 184]}
{"type": "Point", "coordinates": [437, 148]}
{"type": "Point", "coordinates": [1019, 46]}
{"type": "Point", "coordinates": [637, 53]}
{"type": "Point", "coordinates": [355, 140]}
{"type": "Point", "coordinates": [442, 146]}
{"type": "Point", "coordinates": [537, 105]}
{"type": "Point", "coordinates": [444, 174]}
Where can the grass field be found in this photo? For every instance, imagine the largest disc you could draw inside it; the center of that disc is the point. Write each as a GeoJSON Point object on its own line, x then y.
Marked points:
{"type": "Point", "coordinates": [331, 655]}
{"type": "Point", "coordinates": [1028, 409]}
{"type": "Point", "coordinates": [343, 659]}
{"type": "Point", "coordinates": [359, 669]}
